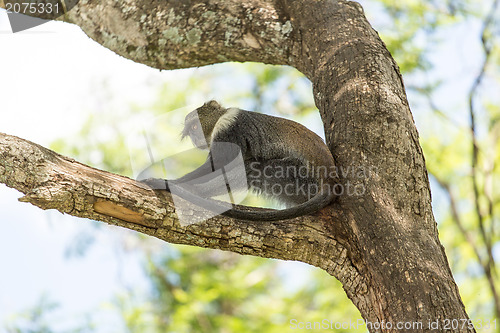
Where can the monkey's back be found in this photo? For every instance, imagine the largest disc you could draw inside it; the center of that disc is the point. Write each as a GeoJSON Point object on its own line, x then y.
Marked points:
{"type": "Point", "coordinates": [267, 137]}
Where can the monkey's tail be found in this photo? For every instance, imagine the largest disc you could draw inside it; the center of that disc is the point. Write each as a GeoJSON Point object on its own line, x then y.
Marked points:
{"type": "Point", "coordinates": [319, 201]}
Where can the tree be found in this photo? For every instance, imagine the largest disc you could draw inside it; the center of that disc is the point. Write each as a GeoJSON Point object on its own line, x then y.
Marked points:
{"type": "Point", "coordinates": [380, 242]}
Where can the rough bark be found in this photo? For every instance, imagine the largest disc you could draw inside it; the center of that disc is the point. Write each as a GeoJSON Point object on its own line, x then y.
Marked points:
{"type": "Point", "coordinates": [381, 244]}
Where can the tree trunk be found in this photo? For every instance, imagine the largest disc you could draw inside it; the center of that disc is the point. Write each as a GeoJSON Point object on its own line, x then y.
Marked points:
{"type": "Point", "coordinates": [379, 238]}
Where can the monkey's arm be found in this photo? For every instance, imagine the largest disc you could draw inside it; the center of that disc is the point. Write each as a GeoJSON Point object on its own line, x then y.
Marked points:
{"type": "Point", "coordinates": [224, 166]}
{"type": "Point", "coordinates": [221, 155]}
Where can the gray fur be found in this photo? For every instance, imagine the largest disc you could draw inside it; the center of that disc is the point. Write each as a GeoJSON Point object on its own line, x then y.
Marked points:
{"type": "Point", "coordinates": [268, 146]}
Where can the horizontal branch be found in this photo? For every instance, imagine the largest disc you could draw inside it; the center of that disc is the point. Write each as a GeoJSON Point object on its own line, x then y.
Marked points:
{"type": "Point", "coordinates": [53, 181]}
{"type": "Point", "coordinates": [181, 34]}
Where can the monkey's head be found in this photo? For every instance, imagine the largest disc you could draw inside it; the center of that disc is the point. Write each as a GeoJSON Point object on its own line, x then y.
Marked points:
{"type": "Point", "coordinates": [199, 124]}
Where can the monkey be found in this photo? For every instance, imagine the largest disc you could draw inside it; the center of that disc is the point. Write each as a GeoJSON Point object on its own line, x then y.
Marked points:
{"type": "Point", "coordinates": [283, 160]}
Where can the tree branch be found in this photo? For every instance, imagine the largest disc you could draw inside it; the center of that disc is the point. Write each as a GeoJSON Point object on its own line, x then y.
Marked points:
{"type": "Point", "coordinates": [179, 34]}
{"type": "Point", "coordinates": [52, 181]}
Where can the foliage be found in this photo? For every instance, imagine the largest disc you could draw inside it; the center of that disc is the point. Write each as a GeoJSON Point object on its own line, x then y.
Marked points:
{"type": "Point", "coordinates": [195, 290]}
{"type": "Point", "coordinates": [462, 156]}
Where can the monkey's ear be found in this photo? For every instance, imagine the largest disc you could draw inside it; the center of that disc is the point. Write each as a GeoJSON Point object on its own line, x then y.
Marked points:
{"type": "Point", "coordinates": [213, 104]}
